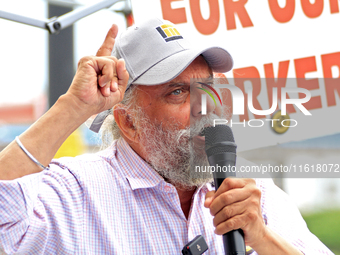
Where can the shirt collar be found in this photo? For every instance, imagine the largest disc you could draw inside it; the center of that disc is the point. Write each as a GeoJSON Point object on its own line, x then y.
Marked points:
{"type": "Point", "coordinates": [139, 173]}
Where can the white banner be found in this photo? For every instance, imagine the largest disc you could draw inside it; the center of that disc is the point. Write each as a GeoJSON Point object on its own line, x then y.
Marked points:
{"type": "Point", "coordinates": [271, 39]}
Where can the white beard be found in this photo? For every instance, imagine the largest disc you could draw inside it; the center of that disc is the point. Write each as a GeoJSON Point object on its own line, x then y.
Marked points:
{"type": "Point", "coordinates": [171, 152]}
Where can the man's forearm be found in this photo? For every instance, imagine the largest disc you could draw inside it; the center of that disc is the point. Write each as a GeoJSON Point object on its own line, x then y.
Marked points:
{"type": "Point", "coordinates": [42, 139]}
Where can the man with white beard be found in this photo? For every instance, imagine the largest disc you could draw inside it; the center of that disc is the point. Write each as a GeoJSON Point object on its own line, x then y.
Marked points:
{"type": "Point", "coordinates": [139, 195]}
{"type": "Point", "coordinates": [170, 151]}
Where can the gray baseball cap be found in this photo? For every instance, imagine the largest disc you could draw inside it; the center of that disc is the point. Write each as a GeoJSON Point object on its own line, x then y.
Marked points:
{"type": "Point", "coordinates": [155, 52]}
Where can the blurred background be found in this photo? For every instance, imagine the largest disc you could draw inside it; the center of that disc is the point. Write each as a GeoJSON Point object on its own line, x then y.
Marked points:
{"type": "Point", "coordinates": [36, 67]}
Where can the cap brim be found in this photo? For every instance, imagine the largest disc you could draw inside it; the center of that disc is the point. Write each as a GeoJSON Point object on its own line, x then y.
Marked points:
{"type": "Point", "coordinates": [169, 68]}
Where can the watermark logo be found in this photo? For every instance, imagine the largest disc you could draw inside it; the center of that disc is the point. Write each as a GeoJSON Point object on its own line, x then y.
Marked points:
{"type": "Point", "coordinates": [280, 121]}
{"type": "Point", "coordinates": [204, 98]}
{"type": "Point", "coordinates": [238, 100]}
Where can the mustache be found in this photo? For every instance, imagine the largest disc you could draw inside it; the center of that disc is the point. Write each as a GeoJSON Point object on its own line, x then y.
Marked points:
{"type": "Point", "coordinates": [197, 127]}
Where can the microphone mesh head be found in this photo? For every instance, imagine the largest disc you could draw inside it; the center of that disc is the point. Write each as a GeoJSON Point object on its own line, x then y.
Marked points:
{"type": "Point", "coordinates": [216, 135]}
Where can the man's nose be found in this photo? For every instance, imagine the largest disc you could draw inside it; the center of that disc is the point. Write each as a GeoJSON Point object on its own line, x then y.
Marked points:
{"type": "Point", "coordinates": [201, 103]}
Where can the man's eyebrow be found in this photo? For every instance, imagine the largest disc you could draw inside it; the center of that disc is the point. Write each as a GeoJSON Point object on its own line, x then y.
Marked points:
{"type": "Point", "coordinates": [204, 80]}
{"type": "Point", "coordinates": [176, 84]}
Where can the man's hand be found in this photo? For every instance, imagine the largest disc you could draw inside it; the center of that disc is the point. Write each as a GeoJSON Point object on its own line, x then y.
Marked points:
{"type": "Point", "coordinates": [237, 205]}
{"type": "Point", "coordinates": [100, 82]}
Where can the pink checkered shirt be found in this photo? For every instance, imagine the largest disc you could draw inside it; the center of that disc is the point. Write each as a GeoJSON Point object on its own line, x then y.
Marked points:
{"type": "Point", "coordinates": [113, 202]}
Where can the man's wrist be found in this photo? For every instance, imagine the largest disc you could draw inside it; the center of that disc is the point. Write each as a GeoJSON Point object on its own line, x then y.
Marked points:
{"type": "Point", "coordinates": [273, 243]}
{"type": "Point", "coordinates": [266, 239]}
{"type": "Point", "coordinates": [78, 110]}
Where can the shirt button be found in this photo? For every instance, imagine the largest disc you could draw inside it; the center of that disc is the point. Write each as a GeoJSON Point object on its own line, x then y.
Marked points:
{"type": "Point", "coordinates": [167, 188]}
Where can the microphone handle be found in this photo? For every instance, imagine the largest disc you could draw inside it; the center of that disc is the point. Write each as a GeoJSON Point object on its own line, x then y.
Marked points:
{"type": "Point", "coordinates": [233, 241]}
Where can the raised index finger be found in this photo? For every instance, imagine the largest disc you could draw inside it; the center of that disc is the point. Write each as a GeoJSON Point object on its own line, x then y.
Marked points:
{"type": "Point", "coordinates": [109, 42]}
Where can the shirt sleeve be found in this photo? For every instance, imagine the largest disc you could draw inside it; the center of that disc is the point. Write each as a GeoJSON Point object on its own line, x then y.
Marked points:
{"type": "Point", "coordinates": [41, 213]}
{"type": "Point", "coordinates": [282, 216]}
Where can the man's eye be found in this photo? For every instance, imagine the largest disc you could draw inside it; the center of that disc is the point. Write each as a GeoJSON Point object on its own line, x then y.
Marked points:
{"type": "Point", "coordinates": [176, 92]}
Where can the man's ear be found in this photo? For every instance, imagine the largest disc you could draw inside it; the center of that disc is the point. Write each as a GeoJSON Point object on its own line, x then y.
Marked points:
{"type": "Point", "coordinates": [125, 122]}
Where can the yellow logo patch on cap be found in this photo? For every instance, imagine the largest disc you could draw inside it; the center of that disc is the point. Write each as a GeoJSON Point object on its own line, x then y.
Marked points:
{"type": "Point", "coordinates": [169, 32]}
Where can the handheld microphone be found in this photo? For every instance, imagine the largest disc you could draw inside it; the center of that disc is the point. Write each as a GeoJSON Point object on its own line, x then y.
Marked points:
{"type": "Point", "coordinates": [220, 148]}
